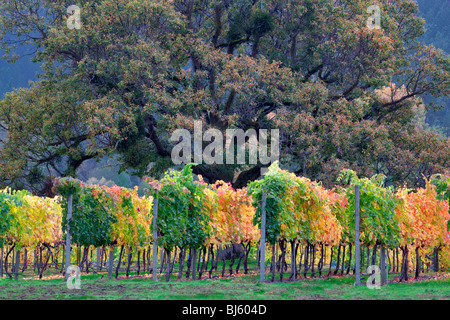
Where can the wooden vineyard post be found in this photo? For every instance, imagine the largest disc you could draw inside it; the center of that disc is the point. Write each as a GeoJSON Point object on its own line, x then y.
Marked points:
{"type": "Point", "coordinates": [262, 266]}
{"type": "Point", "coordinates": [383, 265]}
{"type": "Point", "coordinates": [68, 240]}
{"type": "Point", "coordinates": [386, 280]}
{"type": "Point", "coordinates": [357, 242]}
{"type": "Point", "coordinates": [387, 272]}
{"type": "Point", "coordinates": [110, 262]}
{"type": "Point", "coordinates": [155, 238]}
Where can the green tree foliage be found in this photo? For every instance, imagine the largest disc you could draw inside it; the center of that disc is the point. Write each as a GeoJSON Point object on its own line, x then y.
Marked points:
{"type": "Point", "coordinates": [442, 183]}
{"type": "Point", "coordinates": [137, 70]}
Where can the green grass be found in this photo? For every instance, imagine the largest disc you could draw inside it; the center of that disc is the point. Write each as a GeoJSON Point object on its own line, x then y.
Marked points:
{"type": "Point", "coordinates": [242, 287]}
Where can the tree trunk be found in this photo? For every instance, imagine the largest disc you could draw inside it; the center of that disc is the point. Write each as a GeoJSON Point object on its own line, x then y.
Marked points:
{"type": "Point", "coordinates": [199, 260]}
{"type": "Point", "coordinates": [279, 257]}
{"type": "Point", "coordinates": [398, 260]}
{"type": "Point", "coordinates": [17, 265]}
{"type": "Point", "coordinates": [240, 258]}
{"type": "Point", "coordinates": [247, 252]}
{"type": "Point", "coordinates": [404, 269]}
{"type": "Point", "coordinates": [39, 266]}
{"type": "Point", "coordinates": [368, 257]}
{"type": "Point", "coordinates": [181, 262]}
{"type": "Point", "coordinates": [389, 264]}
{"type": "Point", "coordinates": [417, 264]}
{"type": "Point", "coordinates": [168, 265]}
{"type": "Point", "coordinates": [138, 262]}
{"type": "Point", "coordinates": [374, 254]}
{"type": "Point", "coordinates": [208, 260]}
{"type": "Point", "coordinates": [212, 261]}
{"type": "Point", "coordinates": [149, 252]}
{"type": "Point", "coordinates": [349, 258]}
{"type": "Point", "coordinates": [35, 258]}
{"type": "Point", "coordinates": [189, 264]}
{"type": "Point", "coordinates": [120, 260]}
{"type": "Point", "coordinates": [44, 267]}
{"type": "Point", "coordinates": [293, 257]}
{"type": "Point", "coordinates": [202, 267]}
{"type": "Point", "coordinates": [99, 259]}
{"type": "Point", "coordinates": [223, 261]}
{"type": "Point", "coordinates": [331, 261]}
{"type": "Point", "coordinates": [111, 262]}
{"type": "Point", "coordinates": [436, 259]}
{"type": "Point", "coordinates": [172, 265]}
{"type": "Point", "coordinates": [300, 262]}
{"type": "Point", "coordinates": [283, 255]}
{"type": "Point", "coordinates": [306, 264]}
{"type": "Point", "coordinates": [194, 270]}
{"type": "Point", "coordinates": [25, 258]}
{"type": "Point", "coordinates": [338, 261]}
{"type": "Point", "coordinates": [54, 259]}
{"type": "Point", "coordinates": [232, 259]}
{"type": "Point", "coordinates": [78, 255]}
{"type": "Point", "coordinates": [40, 262]}
{"type": "Point", "coordinates": [343, 259]}
{"type": "Point", "coordinates": [130, 257]}
{"type": "Point", "coordinates": [393, 261]}
{"type": "Point", "coordinates": [143, 260]}
{"type": "Point", "coordinates": [87, 268]}
{"type": "Point", "coordinates": [320, 265]}
{"type": "Point", "coordinates": [84, 257]}
{"type": "Point", "coordinates": [63, 260]}
{"type": "Point", "coordinates": [6, 261]}
{"type": "Point", "coordinates": [87, 259]}
{"type": "Point", "coordinates": [163, 260]}
{"type": "Point", "coordinates": [313, 260]}
{"type": "Point", "coordinates": [383, 265]}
